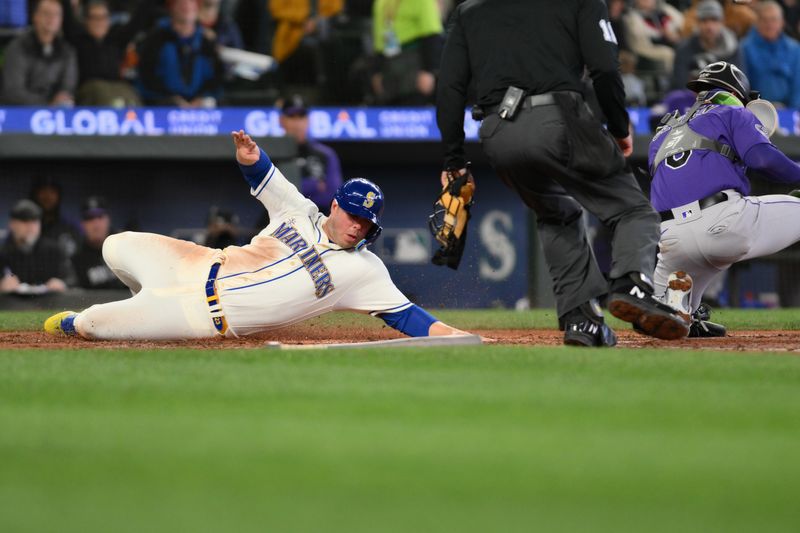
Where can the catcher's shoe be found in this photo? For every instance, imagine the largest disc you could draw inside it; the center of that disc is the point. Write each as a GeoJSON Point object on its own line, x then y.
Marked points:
{"type": "Point", "coordinates": [702, 327]}
{"type": "Point", "coordinates": [679, 292]}
{"type": "Point", "coordinates": [62, 323]}
{"type": "Point", "coordinates": [632, 300]}
{"type": "Point", "coordinates": [585, 326]}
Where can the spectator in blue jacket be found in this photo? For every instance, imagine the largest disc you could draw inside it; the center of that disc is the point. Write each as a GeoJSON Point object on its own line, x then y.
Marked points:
{"type": "Point", "coordinates": [772, 58]}
{"type": "Point", "coordinates": [179, 64]}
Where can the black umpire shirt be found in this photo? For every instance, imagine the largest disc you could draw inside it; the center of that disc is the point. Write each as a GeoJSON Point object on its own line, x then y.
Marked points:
{"type": "Point", "coordinates": [537, 45]}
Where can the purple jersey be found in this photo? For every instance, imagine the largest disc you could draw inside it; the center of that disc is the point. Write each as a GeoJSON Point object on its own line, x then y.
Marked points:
{"type": "Point", "coordinates": [681, 180]}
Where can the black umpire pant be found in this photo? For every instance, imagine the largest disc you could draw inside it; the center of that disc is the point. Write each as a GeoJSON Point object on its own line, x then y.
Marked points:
{"type": "Point", "coordinates": [531, 154]}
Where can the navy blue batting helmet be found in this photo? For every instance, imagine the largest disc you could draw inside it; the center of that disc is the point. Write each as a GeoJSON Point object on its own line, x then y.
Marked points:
{"type": "Point", "coordinates": [362, 198]}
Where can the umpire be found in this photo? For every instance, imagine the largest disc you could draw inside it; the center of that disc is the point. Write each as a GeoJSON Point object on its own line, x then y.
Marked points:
{"type": "Point", "coordinates": [525, 59]}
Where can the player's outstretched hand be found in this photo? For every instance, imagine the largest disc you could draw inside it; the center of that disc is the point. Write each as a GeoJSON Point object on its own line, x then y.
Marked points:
{"type": "Point", "coordinates": [247, 152]}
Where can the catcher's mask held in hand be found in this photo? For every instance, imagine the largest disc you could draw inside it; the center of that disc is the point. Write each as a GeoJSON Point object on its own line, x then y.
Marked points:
{"type": "Point", "coordinates": [361, 197]}
{"type": "Point", "coordinates": [448, 223]}
{"type": "Point", "coordinates": [766, 113]}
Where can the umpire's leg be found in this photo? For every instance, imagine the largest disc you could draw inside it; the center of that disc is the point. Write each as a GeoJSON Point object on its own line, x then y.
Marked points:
{"type": "Point", "coordinates": [531, 154]}
{"type": "Point", "coordinates": [525, 163]}
{"type": "Point", "coordinates": [567, 251]}
{"type": "Point", "coordinates": [537, 140]}
{"type": "Point", "coordinates": [619, 203]}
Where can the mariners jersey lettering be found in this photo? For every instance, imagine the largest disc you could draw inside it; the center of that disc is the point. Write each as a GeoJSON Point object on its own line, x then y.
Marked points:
{"type": "Point", "coordinates": [290, 271]}
{"type": "Point", "coordinates": [309, 256]}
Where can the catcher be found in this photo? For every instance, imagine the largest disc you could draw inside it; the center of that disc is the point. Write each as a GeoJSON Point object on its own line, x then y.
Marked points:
{"type": "Point", "coordinates": [302, 265]}
{"type": "Point", "coordinates": [700, 163]}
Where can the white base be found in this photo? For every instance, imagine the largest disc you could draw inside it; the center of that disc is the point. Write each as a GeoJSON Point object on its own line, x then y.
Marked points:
{"type": "Point", "coordinates": [444, 340]}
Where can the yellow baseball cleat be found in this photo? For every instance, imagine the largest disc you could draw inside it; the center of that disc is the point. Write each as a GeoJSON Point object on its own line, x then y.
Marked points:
{"type": "Point", "coordinates": [62, 323]}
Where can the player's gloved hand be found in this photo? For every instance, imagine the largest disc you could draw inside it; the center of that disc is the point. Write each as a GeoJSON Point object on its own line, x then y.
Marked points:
{"type": "Point", "coordinates": [795, 193]}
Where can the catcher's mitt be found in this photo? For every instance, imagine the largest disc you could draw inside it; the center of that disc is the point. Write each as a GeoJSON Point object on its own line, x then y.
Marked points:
{"type": "Point", "coordinates": [448, 223]}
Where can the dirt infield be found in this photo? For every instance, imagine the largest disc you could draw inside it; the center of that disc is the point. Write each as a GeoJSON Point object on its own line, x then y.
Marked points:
{"type": "Point", "coordinates": [780, 341]}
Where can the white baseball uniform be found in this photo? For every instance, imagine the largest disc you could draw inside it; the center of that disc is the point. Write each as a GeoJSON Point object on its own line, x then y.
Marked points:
{"type": "Point", "coordinates": [289, 272]}
{"type": "Point", "coordinates": [741, 228]}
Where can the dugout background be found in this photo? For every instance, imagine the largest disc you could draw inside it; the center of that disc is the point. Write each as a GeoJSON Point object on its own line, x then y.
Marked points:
{"type": "Point", "coordinates": [167, 185]}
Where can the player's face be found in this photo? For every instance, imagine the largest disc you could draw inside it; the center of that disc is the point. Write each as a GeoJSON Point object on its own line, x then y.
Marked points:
{"type": "Point", "coordinates": [345, 229]}
{"type": "Point", "coordinates": [295, 126]}
{"type": "Point", "coordinates": [96, 229]}
{"type": "Point", "coordinates": [47, 197]}
{"type": "Point", "coordinates": [25, 232]}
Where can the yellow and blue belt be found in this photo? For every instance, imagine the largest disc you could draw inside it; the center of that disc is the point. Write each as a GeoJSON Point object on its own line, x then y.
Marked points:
{"type": "Point", "coordinates": [217, 317]}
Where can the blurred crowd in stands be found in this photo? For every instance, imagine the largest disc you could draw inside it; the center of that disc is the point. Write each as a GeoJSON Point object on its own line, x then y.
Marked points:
{"type": "Point", "coordinates": [346, 52]}
{"type": "Point", "coordinates": [206, 53]}
{"type": "Point", "coordinates": [299, 53]}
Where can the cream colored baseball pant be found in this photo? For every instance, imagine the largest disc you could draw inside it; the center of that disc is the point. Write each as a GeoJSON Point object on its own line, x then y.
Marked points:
{"type": "Point", "coordinates": [167, 277]}
{"type": "Point", "coordinates": [743, 227]}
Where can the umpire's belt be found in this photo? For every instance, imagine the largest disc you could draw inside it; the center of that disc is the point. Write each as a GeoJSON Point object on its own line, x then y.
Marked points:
{"type": "Point", "coordinates": [212, 298]}
{"type": "Point", "coordinates": [708, 201]}
{"type": "Point", "coordinates": [535, 100]}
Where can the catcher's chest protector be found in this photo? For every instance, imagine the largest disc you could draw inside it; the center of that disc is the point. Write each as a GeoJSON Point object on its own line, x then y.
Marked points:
{"type": "Point", "coordinates": [680, 138]}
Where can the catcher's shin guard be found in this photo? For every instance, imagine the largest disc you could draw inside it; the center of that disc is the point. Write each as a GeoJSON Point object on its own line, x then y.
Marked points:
{"type": "Point", "coordinates": [679, 292]}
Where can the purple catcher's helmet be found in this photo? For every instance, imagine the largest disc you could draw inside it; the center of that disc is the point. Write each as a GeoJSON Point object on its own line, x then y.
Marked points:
{"type": "Point", "coordinates": [362, 198]}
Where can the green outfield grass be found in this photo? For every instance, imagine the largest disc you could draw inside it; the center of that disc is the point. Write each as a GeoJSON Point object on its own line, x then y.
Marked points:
{"type": "Point", "coordinates": [477, 439]}
{"type": "Point", "coordinates": [746, 319]}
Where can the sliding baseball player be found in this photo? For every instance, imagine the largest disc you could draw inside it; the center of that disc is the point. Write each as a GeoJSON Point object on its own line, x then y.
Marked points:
{"type": "Point", "coordinates": [302, 265]}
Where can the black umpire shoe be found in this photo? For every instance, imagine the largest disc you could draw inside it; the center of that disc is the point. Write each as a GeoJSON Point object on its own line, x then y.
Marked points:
{"type": "Point", "coordinates": [702, 327]}
{"type": "Point", "coordinates": [585, 326]}
{"type": "Point", "coordinates": [632, 300]}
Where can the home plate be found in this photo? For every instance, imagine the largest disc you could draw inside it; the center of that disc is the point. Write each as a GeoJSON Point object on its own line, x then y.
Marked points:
{"type": "Point", "coordinates": [409, 342]}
